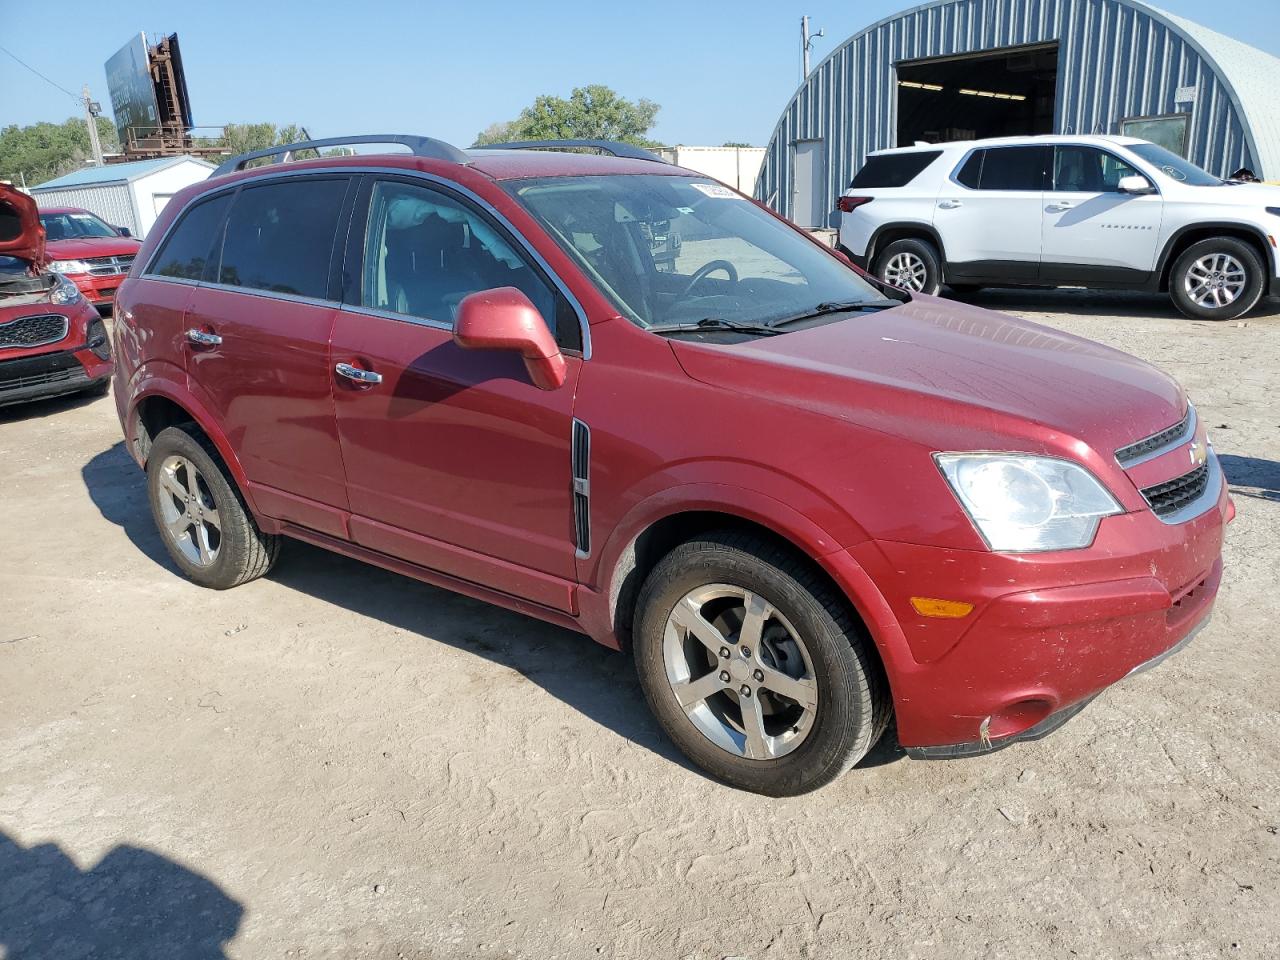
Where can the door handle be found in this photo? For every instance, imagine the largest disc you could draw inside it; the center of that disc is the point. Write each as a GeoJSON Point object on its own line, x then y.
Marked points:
{"type": "Point", "coordinates": [1058, 207]}
{"type": "Point", "coordinates": [203, 338]}
{"type": "Point", "coordinates": [950, 204]}
{"type": "Point", "coordinates": [357, 375]}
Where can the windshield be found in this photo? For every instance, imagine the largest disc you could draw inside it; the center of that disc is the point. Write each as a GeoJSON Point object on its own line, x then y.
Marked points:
{"type": "Point", "coordinates": [677, 250]}
{"type": "Point", "coordinates": [73, 226]}
{"type": "Point", "coordinates": [1174, 166]}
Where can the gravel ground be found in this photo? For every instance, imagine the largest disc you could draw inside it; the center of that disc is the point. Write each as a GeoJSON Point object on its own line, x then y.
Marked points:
{"type": "Point", "coordinates": [339, 762]}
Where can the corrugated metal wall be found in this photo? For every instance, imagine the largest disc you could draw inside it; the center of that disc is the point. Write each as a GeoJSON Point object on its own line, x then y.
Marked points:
{"type": "Point", "coordinates": [1115, 61]}
{"type": "Point", "coordinates": [110, 201]}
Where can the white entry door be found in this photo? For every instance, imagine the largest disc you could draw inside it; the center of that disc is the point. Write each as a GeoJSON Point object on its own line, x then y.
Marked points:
{"type": "Point", "coordinates": [810, 205]}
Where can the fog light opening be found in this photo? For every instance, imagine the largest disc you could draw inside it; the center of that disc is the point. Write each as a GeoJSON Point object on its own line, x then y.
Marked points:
{"type": "Point", "coordinates": [1017, 717]}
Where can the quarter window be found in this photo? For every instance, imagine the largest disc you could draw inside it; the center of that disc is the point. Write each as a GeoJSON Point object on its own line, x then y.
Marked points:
{"type": "Point", "coordinates": [1080, 169]}
{"type": "Point", "coordinates": [425, 252]}
{"type": "Point", "coordinates": [280, 236]}
{"type": "Point", "coordinates": [185, 253]}
{"type": "Point", "coordinates": [894, 169]}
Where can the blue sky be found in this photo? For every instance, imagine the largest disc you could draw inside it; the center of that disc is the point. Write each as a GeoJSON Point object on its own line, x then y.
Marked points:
{"type": "Point", "coordinates": [721, 71]}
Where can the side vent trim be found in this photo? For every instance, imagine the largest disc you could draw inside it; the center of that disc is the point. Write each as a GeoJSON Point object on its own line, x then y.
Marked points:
{"type": "Point", "coordinates": [582, 488]}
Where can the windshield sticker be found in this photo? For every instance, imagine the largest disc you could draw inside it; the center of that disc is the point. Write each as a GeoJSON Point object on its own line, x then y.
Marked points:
{"type": "Point", "coordinates": [718, 190]}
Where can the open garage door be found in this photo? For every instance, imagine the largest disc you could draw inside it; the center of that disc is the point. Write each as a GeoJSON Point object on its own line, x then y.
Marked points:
{"type": "Point", "coordinates": [1006, 92]}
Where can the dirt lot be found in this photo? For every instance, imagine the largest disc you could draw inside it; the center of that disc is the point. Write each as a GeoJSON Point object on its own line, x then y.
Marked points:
{"type": "Point", "coordinates": [339, 762]}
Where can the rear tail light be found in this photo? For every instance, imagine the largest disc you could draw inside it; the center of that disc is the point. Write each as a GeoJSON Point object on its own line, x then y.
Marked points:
{"type": "Point", "coordinates": [850, 204]}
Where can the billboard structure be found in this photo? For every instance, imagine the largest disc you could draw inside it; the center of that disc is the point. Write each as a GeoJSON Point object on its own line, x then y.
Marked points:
{"type": "Point", "coordinates": [149, 98]}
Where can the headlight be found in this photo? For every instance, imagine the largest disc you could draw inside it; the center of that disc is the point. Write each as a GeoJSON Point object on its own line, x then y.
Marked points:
{"type": "Point", "coordinates": [68, 266]}
{"type": "Point", "coordinates": [64, 291]}
{"type": "Point", "coordinates": [1024, 503]}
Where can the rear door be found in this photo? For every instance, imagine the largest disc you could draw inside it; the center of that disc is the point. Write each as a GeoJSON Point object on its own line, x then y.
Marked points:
{"type": "Point", "coordinates": [1093, 233]}
{"type": "Point", "coordinates": [989, 214]}
{"type": "Point", "coordinates": [454, 459]}
{"type": "Point", "coordinates": [257, 342]}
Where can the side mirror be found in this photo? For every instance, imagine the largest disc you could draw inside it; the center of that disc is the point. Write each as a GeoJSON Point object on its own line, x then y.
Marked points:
{"type": "Point", "coordinates": [505, 319]}
{"type": "Point", "coordinates": [1135, 184]}
{"type": "Point", "coordinates": [124, 231]}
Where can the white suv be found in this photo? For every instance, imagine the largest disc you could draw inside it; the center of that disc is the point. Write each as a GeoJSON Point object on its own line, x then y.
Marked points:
{"type": "Point", "coordinates": [1057, 211]}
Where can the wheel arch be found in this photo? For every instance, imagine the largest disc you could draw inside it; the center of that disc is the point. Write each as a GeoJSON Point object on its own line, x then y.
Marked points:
{"type": "Point", "coordinates": [159, 404]}
{"type": "Point", "coordinates": [888, 233]}
{"type": "Point", "coordinates": [1194, 233]}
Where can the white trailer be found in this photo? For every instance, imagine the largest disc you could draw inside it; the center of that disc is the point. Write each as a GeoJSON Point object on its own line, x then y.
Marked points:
{"type": "Point", "coordinates": [736, 166]}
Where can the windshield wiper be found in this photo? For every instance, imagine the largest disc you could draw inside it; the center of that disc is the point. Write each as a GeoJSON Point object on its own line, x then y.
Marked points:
{"type": "Point", "coordinates": [839, 306]}
{"type": "Point", "coordinates": [715, 323]}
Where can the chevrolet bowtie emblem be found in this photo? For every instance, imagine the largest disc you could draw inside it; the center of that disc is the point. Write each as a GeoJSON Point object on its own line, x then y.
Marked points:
{"type": "Point", "coordinates": [1198, 455]}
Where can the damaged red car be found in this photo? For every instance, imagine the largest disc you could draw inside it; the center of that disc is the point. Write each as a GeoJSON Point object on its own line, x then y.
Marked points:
{"type": "Point", "coordinates": [52, 340]}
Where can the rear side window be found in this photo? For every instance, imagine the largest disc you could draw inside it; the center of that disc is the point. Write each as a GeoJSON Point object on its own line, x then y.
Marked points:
{"type": "Point", "coordinates": [185, 252]}
{"type": "Point", "coordinates": [1015, 168]}
{"type": "Point", "coordinates": [894, 169]}
{"type": "Point", "coordinates": [970, 175]}
{"type": "Point", "coordinates": [280, 236]}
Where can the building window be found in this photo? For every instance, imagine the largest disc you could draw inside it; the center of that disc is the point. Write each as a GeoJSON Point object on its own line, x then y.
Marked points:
{"type": "Point", "coordinates": [1169, 131]}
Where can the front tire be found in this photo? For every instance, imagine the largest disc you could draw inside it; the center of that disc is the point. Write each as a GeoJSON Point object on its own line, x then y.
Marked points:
{"type": "Point", "coordinates": [755, 666]}
{"type": "Point", "coordinates": [1217, 279]}
{"type": "Point", "coordinates": [201, 516]}
{"type": "Point", "coordinates": [912, 265]}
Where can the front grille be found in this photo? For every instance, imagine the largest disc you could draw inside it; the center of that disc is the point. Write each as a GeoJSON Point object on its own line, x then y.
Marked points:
{"type": "Point", "coordinates": [1136, 451]}
{"type": "Point", "coordinates": [109, 266]}
{"type": "Point", "coordinates": [37, 379]}
{"type": "Point", "coordinates": [1172, 495]}
{"type": "Point", "coordinates": [33, 331]}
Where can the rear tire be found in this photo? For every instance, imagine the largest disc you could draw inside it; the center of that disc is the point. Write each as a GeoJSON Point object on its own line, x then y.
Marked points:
{"type": "Point", "coordinates": [200, 514]}
{"type": "Point", "coordinates": [694, 627]}
{"type": "Point", "coordinates": [912, 265]}
{"type": "Point", "coordinates": [1221, 278]}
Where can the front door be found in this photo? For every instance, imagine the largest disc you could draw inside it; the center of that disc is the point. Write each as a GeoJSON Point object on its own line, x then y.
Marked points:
{"type": "Point", "coordinates": [988, 215]}
{"type": "Point", "coordinates": [454, 459]}
{"type": "Point", "coordinates": [1092, 231]}
{"type": "Point", "coordinates": [257, 340]}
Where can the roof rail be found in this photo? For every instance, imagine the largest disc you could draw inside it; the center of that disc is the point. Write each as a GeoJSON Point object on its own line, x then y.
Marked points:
{"type": "Point", "coordinates": [615, 147]}
{"type": "Point", "coordinates": [418, 146]}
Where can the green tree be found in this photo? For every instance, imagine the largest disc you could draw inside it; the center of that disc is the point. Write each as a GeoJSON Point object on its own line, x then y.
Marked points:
{"type": "Point", "coordinates": [590, 113]}
{"type": "Point", "coordinates": [42, 151]}
{"type": "Point", "coordinates": [734, 143]}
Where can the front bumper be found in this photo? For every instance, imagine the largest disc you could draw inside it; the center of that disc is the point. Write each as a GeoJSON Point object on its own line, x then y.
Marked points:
{"type": "Point", "coordinates": [1047, 632]}
{"type": "Point", "coordinates": [51, 374]}
{"type": "Point", "coordinates": [98, 290]}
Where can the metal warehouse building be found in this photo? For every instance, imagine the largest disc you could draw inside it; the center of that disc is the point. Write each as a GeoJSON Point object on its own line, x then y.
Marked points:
{"type": "Point", "coordinates": [124, 194]}
{"type": "Point", "coordinates": [969, 69]}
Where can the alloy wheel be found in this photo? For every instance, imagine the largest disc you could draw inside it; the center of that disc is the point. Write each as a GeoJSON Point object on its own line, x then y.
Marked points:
{"type": "Point", "coordinates": [906, 271]}
{"type": "Point", "coordinates": [740, 672]}
{"type": "Point", "coordinates": [189, 512]}
{"type": "Point", "coordinates": [1216, 280]}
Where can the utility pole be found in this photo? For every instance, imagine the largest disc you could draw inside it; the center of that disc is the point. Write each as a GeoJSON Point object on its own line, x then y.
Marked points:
{"type": "Point", "coordinates": [806, 44]}
{"type": "Point", "coordinates": [91, 111]}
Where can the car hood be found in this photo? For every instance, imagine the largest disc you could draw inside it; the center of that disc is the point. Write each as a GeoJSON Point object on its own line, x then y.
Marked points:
{"type": "Point", "coordinates": [1257, 196]}
{"type": "Point", "coordinates": [21, 235]}
{"type": "Point", "coordinates": [81, 248]}
{"type": "Point", "coordinates": [951, 377]}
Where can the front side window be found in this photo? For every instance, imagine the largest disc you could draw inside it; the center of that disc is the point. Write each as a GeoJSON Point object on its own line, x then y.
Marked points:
{"type": "Point", "coordinates": [425, 252]}
{"type": "Point", "coordinates": [673, 249]}
{"type": "Point", "coordinates": [1014, 168]}
{"type": "Point", "coordinates": [1080, 169]}
{"type": "Point", "coordinates": [185, 253]}
{"type": "Point", "coordinates": [280, 235]}
{"type": "Point", "coordinates": [74, 226]}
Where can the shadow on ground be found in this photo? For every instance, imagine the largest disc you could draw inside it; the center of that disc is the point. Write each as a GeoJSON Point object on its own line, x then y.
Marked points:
{"type": "Point", "coordinates": [132, 903]}
{"type": "Point", "coordinates": [35, 409]}
{"type": "Point", "coordinates": [1252, 476]}
{"type": "Point", "coordinates": [1096, 303]}
{"type": "Point", "coordinates": [597, 682]}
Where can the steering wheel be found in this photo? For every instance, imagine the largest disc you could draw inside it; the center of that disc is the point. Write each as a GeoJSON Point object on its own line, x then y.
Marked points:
{"type": "Point", "coordinates": [705, 271]}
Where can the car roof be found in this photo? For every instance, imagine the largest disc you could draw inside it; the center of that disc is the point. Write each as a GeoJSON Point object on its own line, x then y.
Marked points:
{"type": "Point", "coordinates": [521, 164]}
{"type": "Point", "coordinates": [1038, 139]}
{"type": "Point", "coordinates": [44, 210]}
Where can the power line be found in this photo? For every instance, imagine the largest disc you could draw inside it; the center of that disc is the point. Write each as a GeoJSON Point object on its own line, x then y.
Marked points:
{"type": "Point", "coordinates": [42, 76]}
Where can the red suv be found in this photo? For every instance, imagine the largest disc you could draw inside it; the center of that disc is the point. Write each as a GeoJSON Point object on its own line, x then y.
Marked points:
{"type": "Point", "coordinates": [807, 502]}
{"type": "Point", "coordinates": [91, 253]}
{"type": "Point", "coordinates": [52, 341]}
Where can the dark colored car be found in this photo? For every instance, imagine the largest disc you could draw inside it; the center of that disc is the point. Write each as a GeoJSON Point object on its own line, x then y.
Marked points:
{"type": "Point", "coordinates": [52, 341]}
{"type": "Point", "coordinates": [88, 251]}
{"type": "Point", "coordinates": [807, 502]}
